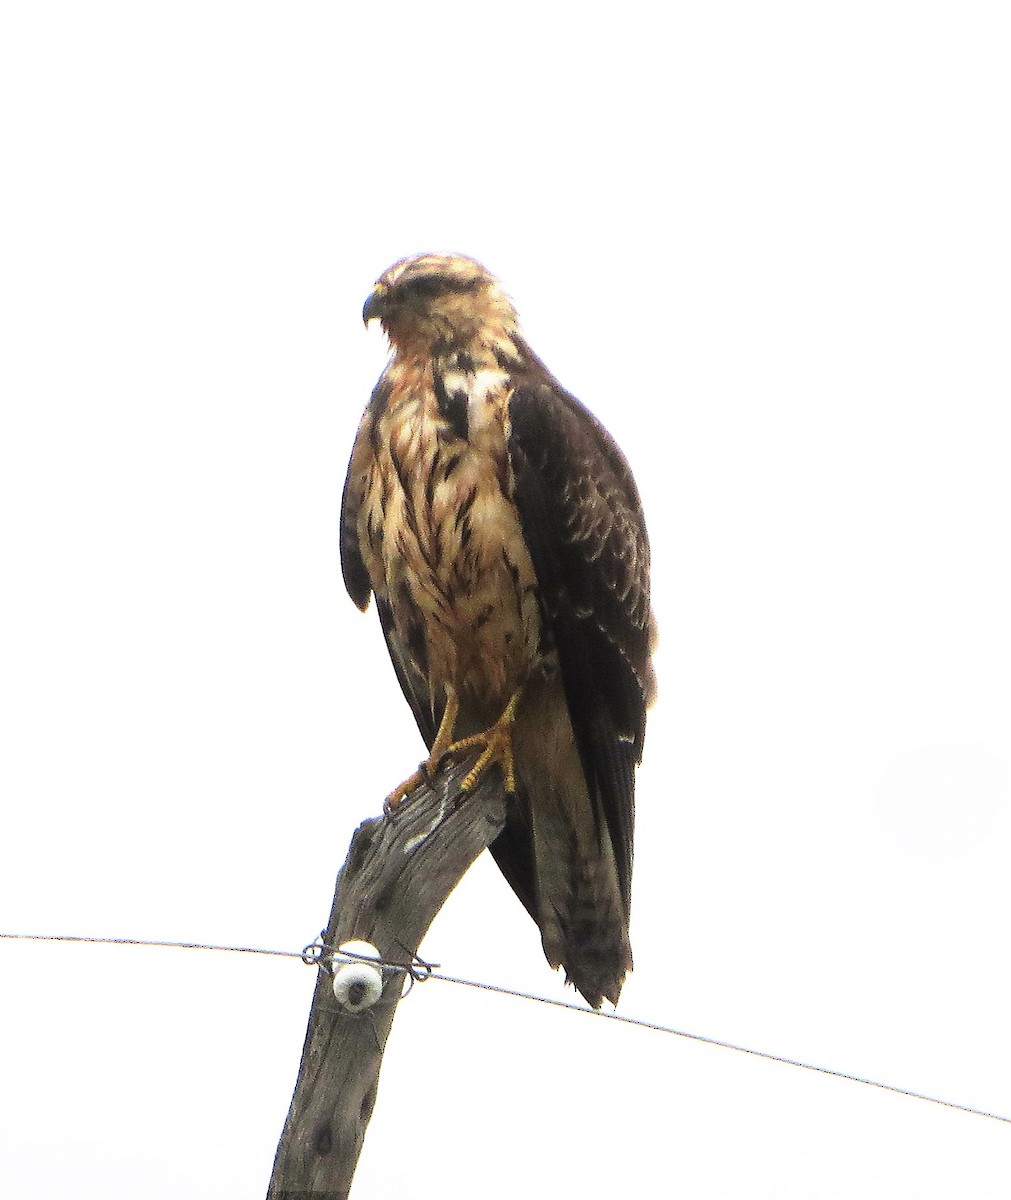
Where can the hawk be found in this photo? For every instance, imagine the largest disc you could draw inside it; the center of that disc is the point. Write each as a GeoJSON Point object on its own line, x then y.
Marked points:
{"type": "Point", "coordinates": [500, 530]}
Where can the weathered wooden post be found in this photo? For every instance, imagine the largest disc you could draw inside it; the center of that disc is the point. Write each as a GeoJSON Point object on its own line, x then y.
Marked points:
{"type": "Point", "coordinates": [398, 873]}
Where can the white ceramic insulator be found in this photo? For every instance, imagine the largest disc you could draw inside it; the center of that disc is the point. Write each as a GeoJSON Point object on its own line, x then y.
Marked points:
{"type": "Point", "coordinates": [359, 950]}
{"type": "Point", "coordinates": [357, 985]}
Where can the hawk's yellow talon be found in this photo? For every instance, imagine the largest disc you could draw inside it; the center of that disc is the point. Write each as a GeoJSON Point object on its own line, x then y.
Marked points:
{"type": "Point", "coordinates": [498, 748]}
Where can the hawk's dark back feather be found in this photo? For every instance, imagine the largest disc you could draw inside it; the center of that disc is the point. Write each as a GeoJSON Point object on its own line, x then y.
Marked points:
{"type": "Point", "coordinates": [582, 520]}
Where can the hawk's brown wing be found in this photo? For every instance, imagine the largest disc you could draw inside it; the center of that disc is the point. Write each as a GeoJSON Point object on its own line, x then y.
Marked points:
{"type": "Point", "coordinates": [427, 709]}
{"type": "Point", "coordinates": [583, 523]}
{"type": "Point", "coordinates": [356, 575]}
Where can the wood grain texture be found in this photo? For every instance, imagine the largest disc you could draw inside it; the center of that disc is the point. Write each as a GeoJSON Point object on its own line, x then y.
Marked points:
{"type": "Point", "coordinates": [398, 873]}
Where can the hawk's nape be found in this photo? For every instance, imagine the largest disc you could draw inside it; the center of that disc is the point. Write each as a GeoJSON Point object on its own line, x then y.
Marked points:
{"type": "Point", "coordinates": [500, 529]}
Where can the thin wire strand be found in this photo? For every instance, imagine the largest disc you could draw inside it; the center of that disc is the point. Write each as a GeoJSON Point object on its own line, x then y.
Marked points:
{"type": "Point", "coordinates": [431, 971]}
{"type": "Point", "coordinates": [107, 941]}
{"type": "Point", "coordinates": [656, 1027]}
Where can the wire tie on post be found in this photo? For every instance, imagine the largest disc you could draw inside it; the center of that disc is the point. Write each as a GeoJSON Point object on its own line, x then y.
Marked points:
{"type": "Point", "coordinates": [358, 970]}
{"type": "Point", "coordinates": [421, 970]}
{"type": "Point", "coordinates": [313, 954]}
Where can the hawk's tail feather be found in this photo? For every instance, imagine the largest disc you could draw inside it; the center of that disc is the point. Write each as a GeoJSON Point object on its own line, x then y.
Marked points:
{"type": "Point", "coordinates": [583, 926]}
{"type": "Point", "coordinates": [590, 944]}
{"type": "Point", "coordinates": [556, 850]}
{"type": "Point", "coordinates": [570, 883]}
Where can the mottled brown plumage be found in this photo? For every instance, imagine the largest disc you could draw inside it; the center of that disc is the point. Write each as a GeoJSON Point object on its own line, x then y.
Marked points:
{"type": "Point", "coordinates": [500, 530]}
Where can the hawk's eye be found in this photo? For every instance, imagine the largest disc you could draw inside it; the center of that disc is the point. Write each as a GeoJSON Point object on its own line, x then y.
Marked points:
{"type": "Point", "coordinates": [429, 287]}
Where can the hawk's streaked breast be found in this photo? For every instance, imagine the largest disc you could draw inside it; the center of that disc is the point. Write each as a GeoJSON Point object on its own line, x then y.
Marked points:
{"type": "Point", "coordinates": [443, 539]}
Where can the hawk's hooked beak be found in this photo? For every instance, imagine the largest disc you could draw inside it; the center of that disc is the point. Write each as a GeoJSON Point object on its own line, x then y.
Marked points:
{"type": "Point", "coordinates": [374, 305]}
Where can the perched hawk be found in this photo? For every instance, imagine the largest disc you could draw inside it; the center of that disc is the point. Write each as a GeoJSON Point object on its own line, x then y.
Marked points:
{"type": "Point", "coordinates": [500, 529]}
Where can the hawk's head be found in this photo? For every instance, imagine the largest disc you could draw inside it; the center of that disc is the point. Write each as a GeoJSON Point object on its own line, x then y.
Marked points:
{"type": "Point", "coordinates": [435, 300]}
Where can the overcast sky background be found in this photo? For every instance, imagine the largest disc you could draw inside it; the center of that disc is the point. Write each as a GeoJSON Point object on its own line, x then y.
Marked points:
{"type": "Point", "coordinates": [768, 244]}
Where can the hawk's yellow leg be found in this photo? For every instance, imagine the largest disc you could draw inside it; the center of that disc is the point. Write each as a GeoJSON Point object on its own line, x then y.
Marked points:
{"type": "Point", "coordinates": [440, 747]}
{"type": "Point", "coordinates": [498, 748]}
{"type": "Point", "coordinates": [496, 743]}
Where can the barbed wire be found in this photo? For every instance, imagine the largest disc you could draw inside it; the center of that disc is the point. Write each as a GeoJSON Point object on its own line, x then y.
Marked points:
{"type": "Point", "coordinates": [418, 971]}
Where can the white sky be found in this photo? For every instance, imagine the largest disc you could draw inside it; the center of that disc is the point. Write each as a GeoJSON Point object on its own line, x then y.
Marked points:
{"type": "Point", "coordinates": [769, 245]}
